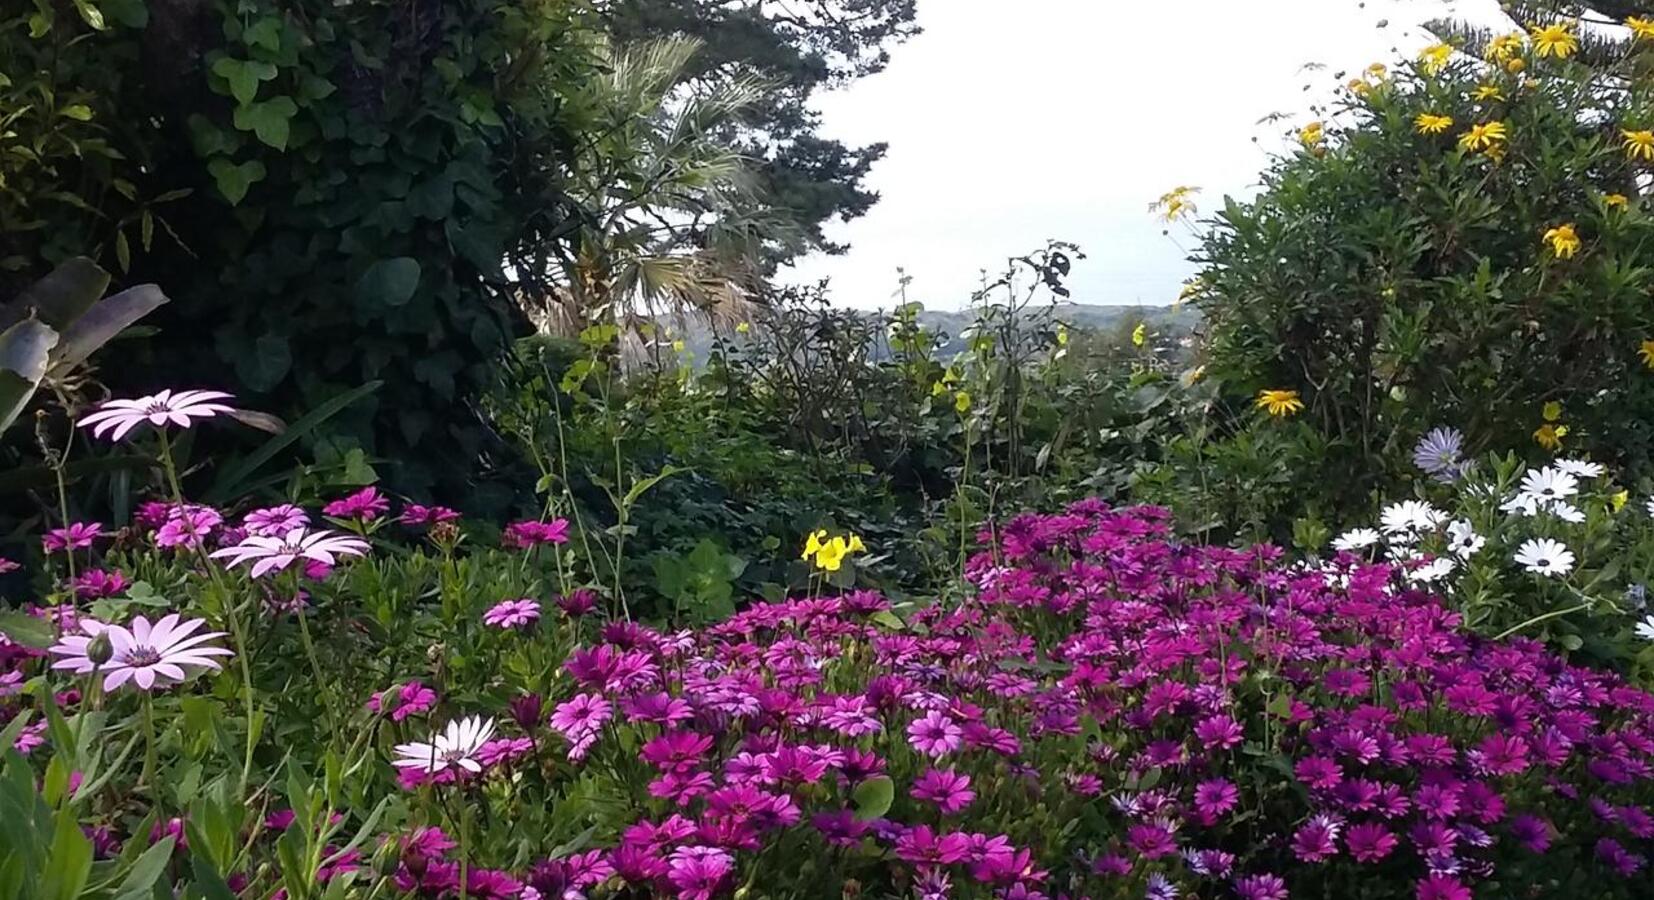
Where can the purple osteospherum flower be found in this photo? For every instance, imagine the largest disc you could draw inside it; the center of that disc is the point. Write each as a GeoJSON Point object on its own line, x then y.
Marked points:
{"type": "Point", "coordinates": [117, 417]}
{"type": "Point", "coordinates": [275, 521]}
{"type": "Point", "coordinates": [277, 553]}
{"type": "Point", "coordinates": [1438, 453]}
{"type": "Point", "coordinates": [508, 614]}
{"type": "Point", "coordinates": [95, 584]}
{"type": "Point", "coordinates": [187, 525]}
{"type": "Point", "coordinates": [417, 514]}
{"type": "Point", "coordinates": [146, 655]}
{"type": "Point", "coordinates": [74, 536]}
{"type": "Point", "coordinates": [366, 504]}
{"type": "Point", "coordinates": [935, 735]}
{"type": "Point", "coordinates": [523, 535]}
{"type": "Point", "coordinates": [949, 790]}
{"type": "Point", "coordinates": [411, 699]}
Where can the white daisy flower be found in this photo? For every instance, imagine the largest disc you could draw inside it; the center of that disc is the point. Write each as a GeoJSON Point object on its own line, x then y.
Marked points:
{"type": "Point", "coordinates": [1566, 511]}
{"type": "Point", "coordinates": [1410, 517]}
{"type": "Point", "coordinates": [1521, 504]}
{"type": "Point", "coordinates": [1645, 628]}
{"type": "Point", "coordinates": [1549, 484]}
{"type": "Point", "coordinates": [1580, 468]}
{"type": "Point", "coordinates": [1463, 540]}
{"type": "Point", "coordinates": [1356, 539]}
{"type": "Point", "coordinates": [457, 745]}
{"type": "Point", "coordinates": [1433, 571]}
{"type": "Point", "coordinates": [1543, 556]}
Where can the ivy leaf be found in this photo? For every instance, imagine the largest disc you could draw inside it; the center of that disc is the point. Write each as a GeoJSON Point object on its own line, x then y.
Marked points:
{"type": "Point", "coordinates": [872, 798]}
{"type": "Point", "coordinates": [267, 365]}
{"type": "Point", "coordinates": [264, 33]}
{"type": "Point", "coordinates": [390, 282]}
{"type": "Point", "coordinates": [243, 76]}
{"type": "Point", "coordinates": [234, 180]}
{"type": "Point", "coordinates": [270, 120]}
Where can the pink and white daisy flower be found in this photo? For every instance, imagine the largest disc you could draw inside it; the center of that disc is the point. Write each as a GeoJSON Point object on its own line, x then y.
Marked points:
{"type": "Point", "coordinates": [455, 746]}
{"type": "Point", "coordinates": [274, 554]}
{"type": "Point", "coordinates": [145, 654]}
{"type": "Point", "coordinates": [117, 417]}
{"type": "Point", "coordinates": [512, 613]}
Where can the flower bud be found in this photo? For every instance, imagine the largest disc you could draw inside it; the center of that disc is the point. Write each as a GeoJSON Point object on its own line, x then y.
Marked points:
{"type": "Point", "coordinates": [99, 650]}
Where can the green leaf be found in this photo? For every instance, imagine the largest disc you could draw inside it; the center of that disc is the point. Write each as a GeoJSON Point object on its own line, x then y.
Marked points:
{"type": "Point", "coordinates": [80, 112]}
{"type": "Point", "coordinates": [268, 364]}
{"type": "Point", "coordinates": [872, 798]}
{"type": "Point", "coordinates": [140, 879]}
{"type": "Point", "coordinates": [25, 349]}
{"type": "Point", "coordinates": [90, 14]}
{"type": "Point", "coordinates": [100, 324]}
{"type": "Point", "coordinates": [231, 479]}
{"type": "Point", "coordinates": [71, 860]}
{"type": "Point", "coordinates": [270, 120]}
{"type": "Point", "coordinates": [61, 297]}
{"type": "Point", "coordinates": [26, 629]}
{"type": "Point", "coordinates": [640, 487]}
{"type": "Point", "coordinates": [244, 77]}
{"type": "Point", "coordinates": [233, 180]}
{"type": "Point", "coordinates": [389, 282]}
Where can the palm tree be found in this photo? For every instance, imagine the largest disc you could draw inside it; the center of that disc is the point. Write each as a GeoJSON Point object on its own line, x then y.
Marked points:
{"type": "Point", "coordinates": [666, 215]}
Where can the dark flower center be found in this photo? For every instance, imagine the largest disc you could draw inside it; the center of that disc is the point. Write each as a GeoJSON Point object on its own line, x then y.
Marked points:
{"type": "Point", "coordinates": [142, 655]}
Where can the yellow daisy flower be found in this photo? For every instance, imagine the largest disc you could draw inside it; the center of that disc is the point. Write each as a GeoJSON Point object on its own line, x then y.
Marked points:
{"type": "Point", "coordinates": [1615, 201]}
{"type": "Point", "coordinates": [1639, 144]}
{"type": "Point", "coordinates": [1563, 240]}
{"type": "Point", "coordinates": [1483, 136]}
{"type": "Point", "coordinates": [1551, 411]}
{"type": "Point", "coordinates": [1312, 135]}
{"type": "Point", "coordinates": [1550, 436]}
{"type": "Point", "coordinates": [1485, 92]}
{"type": "Point", "coordinates": [1646, 351]}
{"type": "Point", "coordinates": [1618, 499]}
{"type": "Point", "coordinates": [1642, 29]}
{"type": "Point", "coordinates": [1556, 40]}
{"type": "Point", "coordinates": [1279, 403]}
{"type": "Point", "coordinates": [1140, 334]}
{"type": "Point", "coordinates": [1175, 203]}
{"type": "Point", "coordinates": [1427, 123]}
{"type": "Point", "coordinates": [1434, 57]}
{"type": "Point", "coordinates": [1505, 46]}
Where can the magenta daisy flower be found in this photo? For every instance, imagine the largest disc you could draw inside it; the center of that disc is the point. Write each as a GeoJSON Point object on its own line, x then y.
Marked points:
{"type": "Point", "coordinates": [187, 526]}
{"type": "Point", "coordinates": [145, 655]}
{"type": "Point", "coordinates": [274, 554]}
{"type": "Point", "coordinates": [523, 535]}
{"type": "Point", "coordinates": [117, 417]}
{"type": "Point", "coordinates": [74, 536]}
{"type": "Point", "coordinates": [417, 514]}
{"type": "Point", "coordinates": [275, 521]}
{"type": "Point", "coordinates": [512, 614]}
{"type": "Point", "coordinates": [366, 504]}
{"type": "Point", "coordinates": [950, 791]}
{"type": "Point", "coordinates": [935, 735]}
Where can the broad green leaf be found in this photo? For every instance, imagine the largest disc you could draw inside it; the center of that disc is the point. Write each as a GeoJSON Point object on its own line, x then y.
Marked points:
{"type": "Point", "coordinates": [26, 629]}
{"type": "Point", "coordinates": [234, 180]}
{"type": "Point", "coordinates": [244, 77]}
{"type": "Point", "coordinates": [270, 120]}
{"type": "Point", "coordinates": [872, 798]}
{"type": "Point", "coordinates": [60, 298]}
{"type": "Point", "coordinates": [140, 879]}
{"type": "Point", "coordinates": [100, 324]}
{"type": "Point", "coordinates": [71, 861]}
{"type": "Point", "coordinates": [390, 282]}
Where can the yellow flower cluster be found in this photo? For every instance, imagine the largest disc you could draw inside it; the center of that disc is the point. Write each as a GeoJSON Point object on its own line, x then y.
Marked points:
{"type": "Point", "coordinates": [1505, 47]}
{"type": "Point", "coordinates": [1488, 137]}
{"type": "Point", "coordinates": [829, 554]}
{"type": "Point", "coordinates": [1550, 434]}
{"type": "Point", "coordinates": [1312, 135]}
{"type": "Point", "coordinates": [1175, 203]}
{"type": "Point", "coordinates": [1641, 29]}
{"type": "Point", "coordinates": [1280, 403]}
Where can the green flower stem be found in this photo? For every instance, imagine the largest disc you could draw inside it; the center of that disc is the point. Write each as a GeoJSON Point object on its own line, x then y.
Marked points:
{"type": "Point", "coordinates": [1540, 618]}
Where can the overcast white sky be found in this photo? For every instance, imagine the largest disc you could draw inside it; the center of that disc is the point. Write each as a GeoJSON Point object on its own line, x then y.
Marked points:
{"type": "Point", "coordinates": [1014, 121]}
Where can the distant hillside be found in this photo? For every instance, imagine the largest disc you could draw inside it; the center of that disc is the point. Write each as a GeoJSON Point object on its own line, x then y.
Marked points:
{"type": "Point", "coordinates": [952, 323]}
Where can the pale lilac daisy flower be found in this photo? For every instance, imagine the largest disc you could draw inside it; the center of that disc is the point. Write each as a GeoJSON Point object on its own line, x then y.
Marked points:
{"type": "Point", "coordinates": [276, 554]}
{"type": "Point", "coordinates": [275, 521]}
{"type": "Point", "coordinates": [145, 655]}
{"type": "Point", "coordinates": [117, 417]}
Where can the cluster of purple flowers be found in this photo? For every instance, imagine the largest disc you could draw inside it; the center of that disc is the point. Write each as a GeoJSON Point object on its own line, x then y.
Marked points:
{"type": "Point", "coordinates": [1113, 713]}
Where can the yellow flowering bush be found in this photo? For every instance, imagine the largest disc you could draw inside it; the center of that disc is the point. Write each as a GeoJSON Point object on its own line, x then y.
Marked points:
{"type": "Point", "coordinates": [1469, 239]}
